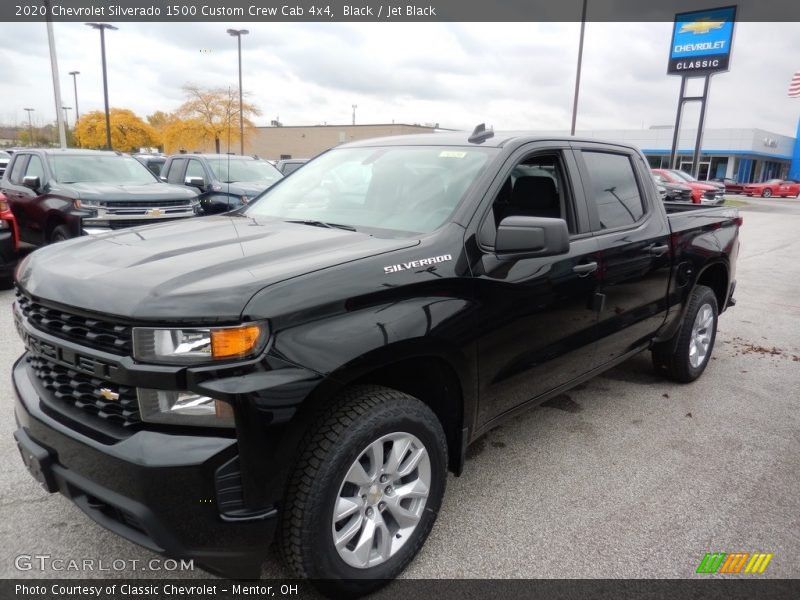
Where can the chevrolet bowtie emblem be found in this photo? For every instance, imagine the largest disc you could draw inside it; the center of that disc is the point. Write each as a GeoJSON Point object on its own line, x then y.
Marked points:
{"type": "Point", "coordinates": [701, 26]}
{"type": "Point", "coordinates": [109, 394]}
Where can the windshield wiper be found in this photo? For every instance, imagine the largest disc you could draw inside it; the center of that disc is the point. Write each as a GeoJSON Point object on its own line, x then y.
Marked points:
{"type": "Point", "coordinates": [323, 224]}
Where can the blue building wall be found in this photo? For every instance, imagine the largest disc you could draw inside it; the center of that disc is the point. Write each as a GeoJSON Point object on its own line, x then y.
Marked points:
{"type": "Point", "coordinates": [794, 169]}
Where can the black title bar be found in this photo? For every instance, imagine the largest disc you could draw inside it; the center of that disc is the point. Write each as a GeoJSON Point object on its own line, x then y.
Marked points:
{"type": "Point", "coordinates": [380, 10]}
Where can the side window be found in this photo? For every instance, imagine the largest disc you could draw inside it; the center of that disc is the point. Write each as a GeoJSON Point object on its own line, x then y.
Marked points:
{"type": "Point", "coordinates": [17, 169]}
{"type": "Point", "coordinates": [35, 168]}
{"type": "Point", "coordinates": [534, 188]}
{"type": "Point", "coordinates": [195, 169]}
{"type": "Point", "coordinates": [613, 189]}
{"type": "Point", "coordinates": [175, 171]}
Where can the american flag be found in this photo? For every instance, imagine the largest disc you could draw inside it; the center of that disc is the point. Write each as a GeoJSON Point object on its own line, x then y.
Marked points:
{"type": "Point", "coordinates": [794, 85]}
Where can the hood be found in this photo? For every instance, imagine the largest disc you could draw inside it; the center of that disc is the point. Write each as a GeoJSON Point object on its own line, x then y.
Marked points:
{"type": "Point", "coordinates": [248, 188]}
{"type": "Point", "coordinates": [112, 192]}
{"type": "Point", "coordinates": [201, 269]}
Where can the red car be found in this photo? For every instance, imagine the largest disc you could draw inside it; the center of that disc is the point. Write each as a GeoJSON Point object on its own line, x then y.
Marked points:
{"type": "Point", "coordinates": [774, 187]}
{"type": "Point", "coordinates": [9, 239]}
{"type": "Point", "coordinates": [702, 193]}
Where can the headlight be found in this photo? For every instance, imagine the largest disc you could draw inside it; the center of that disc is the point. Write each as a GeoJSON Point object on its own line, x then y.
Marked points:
{"type": "Point", "coordinates": [191, 346]}
{"type": "Point", "coordinates": [183, 408]}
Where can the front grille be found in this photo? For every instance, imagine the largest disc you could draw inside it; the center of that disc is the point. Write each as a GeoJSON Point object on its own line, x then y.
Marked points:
{"type": "Point", "coordinates": [84, 392]}
{"type": "Point", "coordinates": [148, 203]}
{"type": "Point", "coordinates": [86, 331]}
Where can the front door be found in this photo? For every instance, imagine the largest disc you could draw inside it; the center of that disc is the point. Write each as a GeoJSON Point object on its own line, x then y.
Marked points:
{"type": "Point", "coordinates": [540, 323]}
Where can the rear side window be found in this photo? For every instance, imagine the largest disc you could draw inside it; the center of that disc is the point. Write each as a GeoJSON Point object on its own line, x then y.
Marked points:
{"type": "Point", "coordinates": [613, 189]}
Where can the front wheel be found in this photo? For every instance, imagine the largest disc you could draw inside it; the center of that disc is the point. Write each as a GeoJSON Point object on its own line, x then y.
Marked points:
{"type": "Point", "coordinates": [686, 355]}
{"type": "Point", "coordinates": [60, 234]}
{"type": "Point", "coordinates": [365, 492]}
{"type": "Point", "coordinates": [766, 193]}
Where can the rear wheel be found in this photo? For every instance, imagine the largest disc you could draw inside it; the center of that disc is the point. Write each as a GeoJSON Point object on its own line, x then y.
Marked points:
{"type": "Point", "coordinates": [766, 193]}
{"type": "Point", "coordinates": [686, 355]}
{"type": "Point", "coordinates": [365, 492]}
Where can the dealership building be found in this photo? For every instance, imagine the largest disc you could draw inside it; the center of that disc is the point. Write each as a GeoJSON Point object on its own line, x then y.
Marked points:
{"type": "Point", "coordinates": [743, 154]}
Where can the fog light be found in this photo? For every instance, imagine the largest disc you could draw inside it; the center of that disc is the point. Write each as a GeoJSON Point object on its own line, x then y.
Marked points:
{"type": "Point", "coordinates": [171, 407]}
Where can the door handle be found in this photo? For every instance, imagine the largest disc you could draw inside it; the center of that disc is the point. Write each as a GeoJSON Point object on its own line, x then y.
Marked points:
{"type": "Point", "coordinates": [658, 250]}
{"type": "Point", "coordinates": [585, 268]}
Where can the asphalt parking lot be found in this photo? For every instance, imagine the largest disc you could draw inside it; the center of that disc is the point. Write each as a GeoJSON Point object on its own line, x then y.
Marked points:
{"type": "Point", "coordinates": [625, 476]}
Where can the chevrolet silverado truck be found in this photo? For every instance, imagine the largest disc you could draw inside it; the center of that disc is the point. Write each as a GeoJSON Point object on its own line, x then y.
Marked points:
{"type": "Point", "coordinates": [308, 367]}
{"type": "Point", "coordinates": [60, 194]}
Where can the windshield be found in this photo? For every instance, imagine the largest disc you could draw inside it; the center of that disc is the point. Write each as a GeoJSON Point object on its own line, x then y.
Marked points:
{"type": "Point", "coordinates": [229, 170]}
{"type": "Point", "coordinates": [400, 188]}
{"type": "Point", "coordinates": [100, 168]}
{"type": "Point", "coordinates": [684, 175]}
{"type": "Point", "coordinates": [775, 181]}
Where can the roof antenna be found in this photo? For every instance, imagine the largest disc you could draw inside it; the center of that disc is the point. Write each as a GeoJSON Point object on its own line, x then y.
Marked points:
{"type": "Point", "coordinates": [480, 134]}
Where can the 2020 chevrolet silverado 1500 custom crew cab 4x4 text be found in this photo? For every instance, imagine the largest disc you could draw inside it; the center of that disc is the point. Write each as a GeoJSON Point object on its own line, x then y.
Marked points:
{"type": "Point", "coordinates": [59, 194]}
{"type": "Point", "coordinates": [316, 361]}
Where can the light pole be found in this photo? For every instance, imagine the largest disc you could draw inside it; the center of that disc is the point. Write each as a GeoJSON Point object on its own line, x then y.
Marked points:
{"type": "Point", "coordinates": [355, 106]}
{"type": "Point", "coordinates": [30, 125]}
{"type": "Point", "coordinates": [102, 27]}
{"type": "Point", "coordinates": [66, 119]}
{"type": "Point", "coordinates": [238, 33]}
{"type": "Point", "coordinates": [75, 85]}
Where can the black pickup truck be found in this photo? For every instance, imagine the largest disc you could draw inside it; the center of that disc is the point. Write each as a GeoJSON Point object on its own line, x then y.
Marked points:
{"type": "Point", "coordinates": [60, 194]}
{"type": "Point", "coordinates": [311, 365]}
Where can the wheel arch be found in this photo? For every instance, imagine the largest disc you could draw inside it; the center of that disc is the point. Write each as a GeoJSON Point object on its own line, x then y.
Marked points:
{"type": "Point", "coordinates": [716, 276]}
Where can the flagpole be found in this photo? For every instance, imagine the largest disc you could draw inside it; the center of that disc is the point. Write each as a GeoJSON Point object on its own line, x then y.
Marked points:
{"type": "Point", "coordinates": [794, 168]}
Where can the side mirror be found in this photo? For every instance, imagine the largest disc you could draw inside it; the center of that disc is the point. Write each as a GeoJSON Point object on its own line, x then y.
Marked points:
{"type": "Point", "coordinates": [197, 182]}
{"type": "Point", "coordinates": [32, 181]}
{"type": "Point", "coordinates": [163, 178]}
{"type": "Point", "coordinates": [533, 236]}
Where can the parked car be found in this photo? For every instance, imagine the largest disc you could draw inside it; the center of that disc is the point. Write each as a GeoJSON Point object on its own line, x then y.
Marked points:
{"type": "Point", "coordinates": [154, 162]}
{"type": "Point", "coordinates": [290, 165]}
{"type": "Point", "coordinates": [225, 181]}
{"type": "Point", "coordinates": [673, 192]}
{"type": "Point", "coordinates": [9, 243]}
{"type": "Point", "coordinates": [731, 185]}
{"type": "Point", "coordinates": [781, 188]}
{"type": "Point", "coordinates": [317, 366]}
{"type": "Point", "coordinates": [702, 193]}
{"type": "Point", "coordinates": [60, 194]}
{"type": "Point", "coordinates": [4, 158]}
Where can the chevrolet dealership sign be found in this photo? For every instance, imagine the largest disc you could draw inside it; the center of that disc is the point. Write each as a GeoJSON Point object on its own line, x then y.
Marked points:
{"type": "Point", "coordinates": [701, 41]}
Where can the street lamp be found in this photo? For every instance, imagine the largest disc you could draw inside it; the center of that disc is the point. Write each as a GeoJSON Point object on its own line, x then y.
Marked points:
{"type": "Point", "coordinates": [30, 125]}
{"type": "Point", "coordinates": [75, 85]}
{"type": "Point", "coordinates": [66, 119]}
{"type": "Point", "coordinates": [355, 106]}
{"type": "Point", "coordinates": [238, 33]}
{"type": "Point", "coordinates": [102, 27]}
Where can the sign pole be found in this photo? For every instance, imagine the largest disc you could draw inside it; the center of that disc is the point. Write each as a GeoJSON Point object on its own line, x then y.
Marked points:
{"type": "Point", "coordinates": [699, 140]}
{"type": "Point", "coordinates": [673, 163]}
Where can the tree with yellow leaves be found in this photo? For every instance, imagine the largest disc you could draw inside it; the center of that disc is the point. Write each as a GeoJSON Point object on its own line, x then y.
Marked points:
{"type": "Point", "coordinates": [215, 112]}
{"type": "Point", "coordinates": [128, 132]}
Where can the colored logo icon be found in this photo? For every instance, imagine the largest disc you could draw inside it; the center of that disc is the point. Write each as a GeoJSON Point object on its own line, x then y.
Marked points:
{"type": "Point", "coordinates": [734, 562]}
{"type": "Point", "coordinates": [701, 26]}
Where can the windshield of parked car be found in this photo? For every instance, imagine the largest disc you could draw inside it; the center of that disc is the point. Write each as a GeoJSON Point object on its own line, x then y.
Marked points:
{"type": "Point", "coordinates": [409, 189]}
{"type": "Point", "coordinates": [230, 170]}
{"type": "Point", "coordinates": [775, 181]}
{"type": "Point", "coordinates": [99, 168]}
{"type": "Point", "coordinates": [684, 175]}
{"type": "Point", "coordinates": [4, 154]}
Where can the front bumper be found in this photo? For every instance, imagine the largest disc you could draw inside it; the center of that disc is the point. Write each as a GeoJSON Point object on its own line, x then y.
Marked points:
{"type": "Point", "coordinates": [155, 489]}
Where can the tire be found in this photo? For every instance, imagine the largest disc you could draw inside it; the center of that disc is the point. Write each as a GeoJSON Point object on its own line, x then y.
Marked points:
{"type": "Point", "coordinates": [341, 448]}
{"type": "Point", "coordinates": [59, 234]}
{"type": "Point", "coordinates": [766, 193]}
{"type": "Point", "coordinates": [686, 355]}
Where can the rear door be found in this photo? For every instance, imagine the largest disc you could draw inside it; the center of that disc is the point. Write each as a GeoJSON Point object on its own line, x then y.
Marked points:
{"type": "Point", "coordinates": [23, 200]}
{"type": "Point", "coordinates": [538, 324]}
{"type": "Point", "coordinates": [634, 251]}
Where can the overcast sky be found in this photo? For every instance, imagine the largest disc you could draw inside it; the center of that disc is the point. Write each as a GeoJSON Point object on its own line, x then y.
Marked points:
{"type": "Point", "coordinates": [510, 75]}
